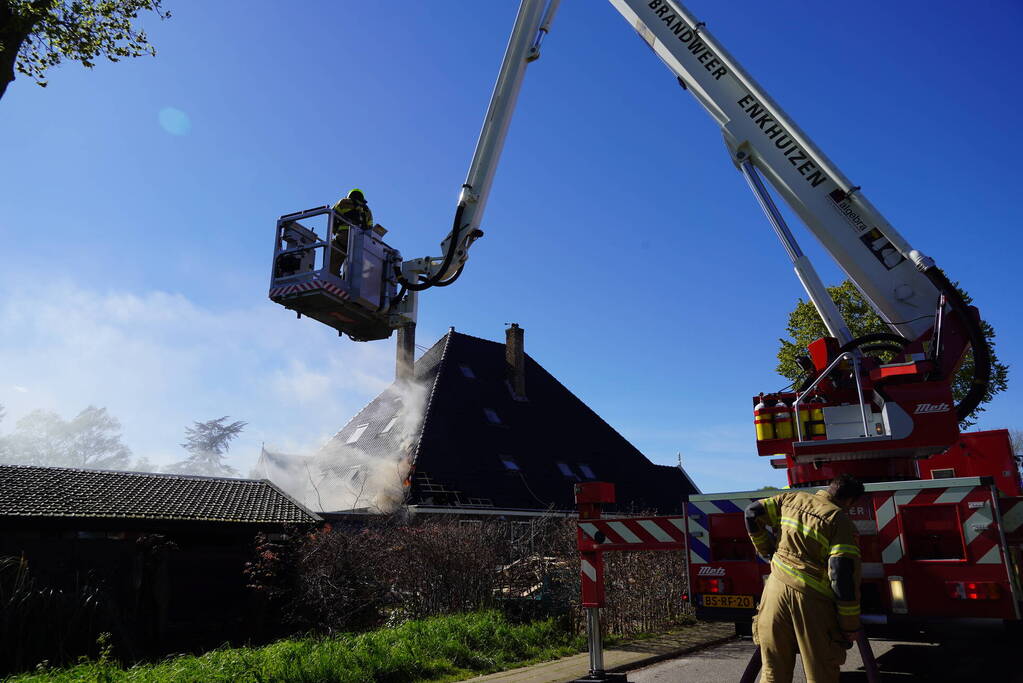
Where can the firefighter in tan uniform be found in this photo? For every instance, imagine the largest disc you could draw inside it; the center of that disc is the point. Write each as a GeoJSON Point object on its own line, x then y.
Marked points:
{"type": "Point", "coordinates": [811, 602]}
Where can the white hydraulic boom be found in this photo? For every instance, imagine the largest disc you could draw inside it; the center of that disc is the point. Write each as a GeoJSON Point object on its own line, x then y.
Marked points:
{"type": "Point", "coordinates": [761, 139]}
{"type": "Point", "coordinates": [373, 291]}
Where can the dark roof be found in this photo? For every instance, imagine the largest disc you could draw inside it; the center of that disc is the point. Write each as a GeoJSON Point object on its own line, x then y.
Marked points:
{"type": "Point", "coordinates": [64, 492]}
{"type": "Point", "coordinates": [552, 438]}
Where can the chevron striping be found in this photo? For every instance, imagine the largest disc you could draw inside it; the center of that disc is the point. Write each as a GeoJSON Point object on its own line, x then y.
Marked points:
{"type": "Point", "coordinates": [624, 531]}
{"type": "Point", "coordinates": [656, 531]}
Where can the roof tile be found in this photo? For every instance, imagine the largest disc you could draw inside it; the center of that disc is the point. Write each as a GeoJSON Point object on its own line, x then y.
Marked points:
{"type": "Point", "coordinates": [64, 492]}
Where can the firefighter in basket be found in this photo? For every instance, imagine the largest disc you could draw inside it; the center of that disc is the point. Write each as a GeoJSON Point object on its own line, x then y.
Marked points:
{"type": "Point", "coordinates": [355, 210]}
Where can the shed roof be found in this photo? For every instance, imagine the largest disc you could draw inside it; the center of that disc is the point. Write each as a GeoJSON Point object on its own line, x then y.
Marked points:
{"type": "Point", "coordinates": [65, 492]}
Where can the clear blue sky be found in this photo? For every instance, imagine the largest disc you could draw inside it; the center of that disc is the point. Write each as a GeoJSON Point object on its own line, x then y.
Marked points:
{"type": "Point", "coordinates": [618, 233]}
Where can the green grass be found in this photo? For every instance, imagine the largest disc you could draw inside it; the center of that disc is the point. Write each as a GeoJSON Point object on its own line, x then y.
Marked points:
{"type": "Point", "coordinates": [438, 649]}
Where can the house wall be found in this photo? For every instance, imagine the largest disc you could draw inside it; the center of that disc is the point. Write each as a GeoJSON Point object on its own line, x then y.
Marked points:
{"type": "Point", "coordinates": [167, 587]}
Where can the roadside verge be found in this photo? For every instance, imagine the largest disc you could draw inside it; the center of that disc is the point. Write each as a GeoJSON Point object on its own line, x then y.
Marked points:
{"type": "Point", "coordinates": [622, 656]}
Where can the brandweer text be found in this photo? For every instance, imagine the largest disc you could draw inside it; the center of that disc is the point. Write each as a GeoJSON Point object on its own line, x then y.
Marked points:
{"type": "Point", "coordinates": [688, 37]}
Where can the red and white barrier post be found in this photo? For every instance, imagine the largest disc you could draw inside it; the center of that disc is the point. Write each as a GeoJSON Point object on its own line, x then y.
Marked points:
{"type": "Point", "coordinates": [589, 497]}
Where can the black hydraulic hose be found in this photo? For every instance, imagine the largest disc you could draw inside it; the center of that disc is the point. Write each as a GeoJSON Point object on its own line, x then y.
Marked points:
{"type": "Point", "coordinates": [978, 343]}
{"type": "Point", "coordinates": [876, 341]}
{"type": "Point", "coordinates": [451, 280]}
{"type": "Point", "coordinates": [872, 348]}
{"type": "Point", "coordinates": [872, 338]}
{"type": "Point", "coordinates": [448, 258]}
{"type": "Point", "coordinates": [396, 300]}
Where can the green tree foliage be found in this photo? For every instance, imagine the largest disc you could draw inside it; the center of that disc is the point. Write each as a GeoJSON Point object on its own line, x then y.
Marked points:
{"type": "Point", "coordinates": [92, 439]}
{"type": "Point", "coordinates": [38, 34]}
{"type": "Point", "coordinates": [805, 325]}
{"type": "Point", "coordinates": [207, 444]}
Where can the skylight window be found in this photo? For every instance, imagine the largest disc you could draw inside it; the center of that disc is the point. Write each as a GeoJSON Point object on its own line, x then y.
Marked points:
{"type": "Point", "coordinates": [509, 463]}
{"type": "Point", "coordinates": [587, 471]}
{"type": "Point", "coordinates": [567, 471]}
{"type": "Point", "coordinates": [492, 417]}
{"type": "Point", "coordinates": [357, 433]}
{"type": "Point", "coordinates": [390, 423]}
{"type": "Point", "coordinates": [467, 371]}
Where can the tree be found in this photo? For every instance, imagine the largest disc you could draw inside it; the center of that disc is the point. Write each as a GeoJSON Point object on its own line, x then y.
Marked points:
{"type": "Point", "coordinates": [38, 34]}
{"type": "Point", "coordinates": [207, 443]}
{"type": "Point", "coordinates": [805, 325]}
{"type": "Point", "coordinates": [91, 440]}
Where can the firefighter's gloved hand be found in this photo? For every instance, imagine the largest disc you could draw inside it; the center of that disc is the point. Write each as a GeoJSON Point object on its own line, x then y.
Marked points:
{"type": "Point", "coordinates": [851, 637]}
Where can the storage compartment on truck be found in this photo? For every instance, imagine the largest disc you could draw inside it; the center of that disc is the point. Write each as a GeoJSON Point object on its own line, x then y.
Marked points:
{"type": "Point", "coordinates": [728, 538]}
{"type": "Point", "coordinates": [933, 532]}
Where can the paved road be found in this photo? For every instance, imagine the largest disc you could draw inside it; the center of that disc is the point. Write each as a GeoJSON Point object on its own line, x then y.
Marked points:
{"type": "Point", "coordinates": [961, 658]}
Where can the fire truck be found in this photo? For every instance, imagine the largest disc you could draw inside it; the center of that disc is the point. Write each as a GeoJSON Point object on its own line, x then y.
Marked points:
{"type": "Point", "coordinates": [941, 525]}
{"type": "Point", "coordinates": [946, 544]}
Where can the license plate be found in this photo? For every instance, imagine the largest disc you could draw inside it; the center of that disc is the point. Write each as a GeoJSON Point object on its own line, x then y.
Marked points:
{"type": "Point", "coordinates": [736, 601]}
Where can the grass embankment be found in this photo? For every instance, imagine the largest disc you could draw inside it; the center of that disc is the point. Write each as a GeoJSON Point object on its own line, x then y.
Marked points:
{"type": "Point", "coordinates": [442, 648]}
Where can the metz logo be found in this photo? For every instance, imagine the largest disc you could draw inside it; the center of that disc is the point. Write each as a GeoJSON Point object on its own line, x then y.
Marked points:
{"type": "Point", "coordinates": [711, 571]}
{"type": "Point", "coordinates": [932, 408]}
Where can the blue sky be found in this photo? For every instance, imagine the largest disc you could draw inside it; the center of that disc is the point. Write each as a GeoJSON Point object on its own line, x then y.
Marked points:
{"type": "Point", "coordinates": [138, 200]}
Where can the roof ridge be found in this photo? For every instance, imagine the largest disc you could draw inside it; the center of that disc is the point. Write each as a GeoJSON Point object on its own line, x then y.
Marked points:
{"type": "Point", "coordinates": [71, 492]}
{"type": "Point", "coordinates": [429, 399]}
{"type": "Point", "coordinates": [394, 383]}
{"type": "Point", "coordinates": [472, 336]}
{"type": "Point", "coordinates": [135, 473]}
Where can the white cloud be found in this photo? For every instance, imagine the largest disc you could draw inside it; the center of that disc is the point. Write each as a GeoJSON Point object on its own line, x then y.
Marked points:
{"type": "Point", "coordinates": [158, 361]}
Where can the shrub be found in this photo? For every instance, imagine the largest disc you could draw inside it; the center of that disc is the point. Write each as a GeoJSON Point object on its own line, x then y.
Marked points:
{"type": "Point", "coordinates": [42, 622]}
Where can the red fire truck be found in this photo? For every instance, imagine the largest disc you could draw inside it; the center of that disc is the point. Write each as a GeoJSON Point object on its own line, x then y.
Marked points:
{"type": "Point", "coordinates": [940, 528]}
{"type": "Point", "coordinates": [946, 545]}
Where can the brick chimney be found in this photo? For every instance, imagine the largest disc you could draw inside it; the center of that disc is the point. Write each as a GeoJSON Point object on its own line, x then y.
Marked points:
{"type": "Point", "coordinates": [515, 360]}
{"type": "Point", "coordinates": [406, 353]}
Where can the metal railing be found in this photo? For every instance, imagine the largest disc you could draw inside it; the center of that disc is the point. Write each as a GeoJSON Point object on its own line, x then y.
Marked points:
{"type": "Point", "coordinates": [859, 391]}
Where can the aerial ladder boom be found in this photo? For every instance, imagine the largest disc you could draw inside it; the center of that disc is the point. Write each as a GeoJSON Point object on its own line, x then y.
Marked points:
{"type": "Point", "coordinates": [903, 408]}
{"type": "Point", "coordinates": [902, 284]}
{"type": "Point", "coordinates": [760, 138]}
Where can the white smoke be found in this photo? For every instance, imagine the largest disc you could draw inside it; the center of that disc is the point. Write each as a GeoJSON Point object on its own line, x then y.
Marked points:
{"type": "Point", "coordinates": [360, 475]}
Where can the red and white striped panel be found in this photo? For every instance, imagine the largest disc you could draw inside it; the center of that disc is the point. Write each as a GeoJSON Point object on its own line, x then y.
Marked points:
{"type": "Point", "coordinates": [980, 547]}
{"type": "Point", "coordinates": [591, 576]}
{"type": "Point", "coordinates": [1012, 517]}
{"type": "Point", "coordinates": [639, 533]}
{"type": "Point", "coordinates": [288, 290]}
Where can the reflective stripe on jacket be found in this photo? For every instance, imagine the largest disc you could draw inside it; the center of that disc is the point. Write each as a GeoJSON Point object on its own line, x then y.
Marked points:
{"type": "Point", "coordinates": [815, 548]}
{"type": "Point", "coordinates": [354, 212]}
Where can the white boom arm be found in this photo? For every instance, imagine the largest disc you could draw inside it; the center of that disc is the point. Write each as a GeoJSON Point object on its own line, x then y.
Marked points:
{"type": "Point", "coordinates": [759, 136]}
{"type": "Point", "coordinates": [872, 253]}
{"type": "Point", "coordinates": [531, 24]}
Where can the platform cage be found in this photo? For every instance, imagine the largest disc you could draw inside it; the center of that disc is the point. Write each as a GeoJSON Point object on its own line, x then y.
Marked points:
{"type": "Point", "coordinates": [347, 282]}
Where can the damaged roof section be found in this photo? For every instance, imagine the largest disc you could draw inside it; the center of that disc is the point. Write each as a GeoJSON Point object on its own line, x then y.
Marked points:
{"type": "Point", "coordinates": [495, 429]}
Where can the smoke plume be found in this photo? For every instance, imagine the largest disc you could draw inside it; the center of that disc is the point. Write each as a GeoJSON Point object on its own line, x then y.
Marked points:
{"type": "Point", "coordinates": [369, 473]}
